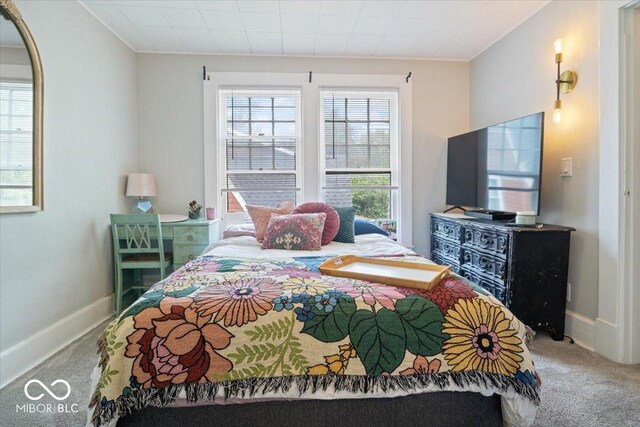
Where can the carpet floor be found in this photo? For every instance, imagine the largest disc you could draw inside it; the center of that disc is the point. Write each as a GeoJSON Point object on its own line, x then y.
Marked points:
{"type": "Point", "coordinates": [580, 388]}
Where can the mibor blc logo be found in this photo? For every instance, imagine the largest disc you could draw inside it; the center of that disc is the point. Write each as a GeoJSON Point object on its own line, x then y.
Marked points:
{"type": "Point", "coordinates": [35, 390]}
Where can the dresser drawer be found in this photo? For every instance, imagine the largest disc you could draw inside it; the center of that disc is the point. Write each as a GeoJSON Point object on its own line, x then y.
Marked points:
{"type": "Point", "coordinates": [438, 259]}
{"type": "Point", "coordinates": [445, 248]}
{"type": "Point", "coordinates": [185, 253]}
{"type": "Point", "coordinates": [486, 239]}
{"type": "Point", "coordinates": [485, 264]}
{"type": "Point", "coordinates": [445, 252]}
{"type": "Point", "coordinates": [446, 229]}
{"type": "Point", "coordinates": [497, 289]}
{"type": "Point", "coordinates": [191, 235]}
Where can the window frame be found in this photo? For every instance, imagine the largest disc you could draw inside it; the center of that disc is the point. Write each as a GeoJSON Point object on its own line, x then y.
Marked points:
{"type": "Point", "coordinates": [310, 146]}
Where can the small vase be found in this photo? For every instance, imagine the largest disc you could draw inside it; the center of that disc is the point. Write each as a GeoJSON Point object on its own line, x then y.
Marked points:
{"type": "Point", "coordinates": [211, 213]}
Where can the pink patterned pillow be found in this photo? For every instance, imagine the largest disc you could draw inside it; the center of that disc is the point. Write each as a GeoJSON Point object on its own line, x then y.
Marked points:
{"type": "Point", "coordinates": [300, 232]}
{"type": "Point", "coordinates": [332, 223]}
{"type": "Point", "coordinates": [260, 216]}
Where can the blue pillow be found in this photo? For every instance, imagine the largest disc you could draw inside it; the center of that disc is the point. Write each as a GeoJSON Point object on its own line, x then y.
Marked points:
{"type": "Point", "coordinates": [346, 231]}
{"type": "Point", "coordinates": [364, 226]}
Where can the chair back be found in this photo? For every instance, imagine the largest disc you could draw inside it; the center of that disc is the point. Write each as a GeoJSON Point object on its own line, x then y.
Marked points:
{"type": "Point", "coordinates": [137, 234]}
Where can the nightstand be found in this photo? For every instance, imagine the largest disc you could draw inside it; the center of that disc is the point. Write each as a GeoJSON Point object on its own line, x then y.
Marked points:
{"type": "Point", "coordinates": [190, 238]}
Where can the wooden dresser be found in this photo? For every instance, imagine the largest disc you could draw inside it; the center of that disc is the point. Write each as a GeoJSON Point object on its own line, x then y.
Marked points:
{"type": "Point", "coordinates": [524, 268]}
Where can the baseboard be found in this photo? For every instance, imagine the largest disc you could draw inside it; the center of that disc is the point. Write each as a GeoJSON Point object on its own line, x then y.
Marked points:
{"type": "Point", "coordinates": [606, 342]}
{"type": "Point", "coordinates": [25, 355]}
{"type": "Point", "coordinates": [581, 329]}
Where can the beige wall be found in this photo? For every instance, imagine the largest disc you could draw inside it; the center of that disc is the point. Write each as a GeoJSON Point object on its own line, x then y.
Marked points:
{"type": "Point", "coordinates": [170, 98]}
{"type": "Point", "coordinates": [58, 261]}
{"type": "Point", "coordinates": [515, 77]}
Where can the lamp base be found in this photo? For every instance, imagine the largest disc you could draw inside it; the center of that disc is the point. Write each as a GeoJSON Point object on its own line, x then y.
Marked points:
{"type": "Point", "coordinates": [141, 206]}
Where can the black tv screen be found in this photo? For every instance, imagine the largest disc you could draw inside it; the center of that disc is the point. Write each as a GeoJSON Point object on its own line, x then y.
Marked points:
{"type": "Point", "coordinates": [498, 167]}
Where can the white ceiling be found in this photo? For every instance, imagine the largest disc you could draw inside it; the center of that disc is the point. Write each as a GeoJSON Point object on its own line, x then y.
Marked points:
{"type": "Point", "coordinates": [454, 29]}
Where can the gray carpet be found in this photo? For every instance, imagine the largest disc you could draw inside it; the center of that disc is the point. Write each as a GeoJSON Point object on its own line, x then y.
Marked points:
{"type": "Point", "coordinates": [580, 388]}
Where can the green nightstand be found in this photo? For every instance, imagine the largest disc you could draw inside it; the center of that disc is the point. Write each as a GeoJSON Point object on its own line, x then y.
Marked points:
{"type": "Point", "coordinates": [190, 238]}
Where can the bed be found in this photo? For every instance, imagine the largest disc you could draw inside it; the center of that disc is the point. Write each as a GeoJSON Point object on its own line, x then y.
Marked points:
{"type": "Point", "coordinates": [242, 334]}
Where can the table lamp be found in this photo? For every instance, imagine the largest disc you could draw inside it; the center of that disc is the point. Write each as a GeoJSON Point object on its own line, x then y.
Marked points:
{"type": "Point", "coordinates": [140, 186]}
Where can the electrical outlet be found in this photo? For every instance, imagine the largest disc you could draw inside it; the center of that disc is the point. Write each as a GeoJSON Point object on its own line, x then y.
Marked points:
{"type": "Point", "coordinates": [568, 291]}
{"type": "Point", "coordinates": [566, 166]}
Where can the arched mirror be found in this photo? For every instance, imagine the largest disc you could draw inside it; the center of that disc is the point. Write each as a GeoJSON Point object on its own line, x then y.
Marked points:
{"type": "Point", "coordinates": [20, 115]}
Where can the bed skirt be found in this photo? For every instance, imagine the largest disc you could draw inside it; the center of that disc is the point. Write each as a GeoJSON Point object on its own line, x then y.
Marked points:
{"type": "Point", "coordinates": [435, 409]}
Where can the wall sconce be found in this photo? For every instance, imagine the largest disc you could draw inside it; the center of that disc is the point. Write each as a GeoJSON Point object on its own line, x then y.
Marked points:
{"type": "Point", "coordinates": [565, 82]}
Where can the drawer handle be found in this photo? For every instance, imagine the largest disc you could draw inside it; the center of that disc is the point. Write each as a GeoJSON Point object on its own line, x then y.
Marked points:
{"type": "Point", "coordinates": [485, 240]}
{"type": "Point", "coordinates": [191, 256]}
{"type": "Point", "coordinates": [190, 237]}
{"type": "Point", "coordinates": [485, 264]}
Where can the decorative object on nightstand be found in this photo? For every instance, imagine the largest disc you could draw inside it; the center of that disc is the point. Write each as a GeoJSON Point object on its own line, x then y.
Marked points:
{"type": "Point", "coordinates": [194, 210]}
{"type": "Point", "coordinates": [211, 213]}
{"type": "Point", "coordinates": [524, 267]}
{"type": "Point", "coordinates": [141, 186]}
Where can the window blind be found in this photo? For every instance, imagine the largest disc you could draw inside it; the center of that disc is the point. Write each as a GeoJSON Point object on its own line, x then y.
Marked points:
{"type": "Point", "coordinates": [261, 143]}
{"type": "Point", "coordinates": [16, 143]}
{"type": "Point", "coordinates": [360, 151]}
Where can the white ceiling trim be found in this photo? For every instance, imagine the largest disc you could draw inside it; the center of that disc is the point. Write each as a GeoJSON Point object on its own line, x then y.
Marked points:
{"type": "Point", "coordinates": [277, 55]}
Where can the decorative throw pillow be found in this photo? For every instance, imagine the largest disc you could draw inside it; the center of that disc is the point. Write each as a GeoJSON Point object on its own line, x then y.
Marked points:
{"type": "Point", "coordinates": [331, 224]}
{"type": "Point", "coordinates": [364, 226]}
{"type": "Point", "coordinates": [260, 216]}
{"type": "Point", "coordinates": [346, 232]}
{"type": "Point", "coordinates": [299, 232]}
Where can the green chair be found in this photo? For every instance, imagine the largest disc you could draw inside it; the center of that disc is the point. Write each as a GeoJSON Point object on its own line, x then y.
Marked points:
{"type": "Point", "coordinates": [137, 244]}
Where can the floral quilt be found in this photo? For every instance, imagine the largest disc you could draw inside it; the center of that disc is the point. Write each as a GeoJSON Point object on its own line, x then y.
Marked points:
{"type": "Point", "coordinates": [235, 327]}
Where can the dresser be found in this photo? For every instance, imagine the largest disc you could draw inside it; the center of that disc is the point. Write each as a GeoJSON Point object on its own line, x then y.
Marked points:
{"type": "Point", "coordinates": [190, 238]}
{"type": "Point", "coordinates": [524, 268]}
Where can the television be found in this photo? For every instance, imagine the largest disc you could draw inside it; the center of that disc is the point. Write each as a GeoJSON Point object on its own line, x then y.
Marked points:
{"type": "Point", "coordinates": [498, 169]}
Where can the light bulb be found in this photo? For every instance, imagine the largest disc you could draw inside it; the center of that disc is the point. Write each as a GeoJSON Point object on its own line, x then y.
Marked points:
{"type": "Point", "coordinates": [557, 111]}
{"type": "Point", "coordinates": [558, 45]}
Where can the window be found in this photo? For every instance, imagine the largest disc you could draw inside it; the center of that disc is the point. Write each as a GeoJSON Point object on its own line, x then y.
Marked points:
{"type": "Point", "coordinates": [259, 147]}
{"type": "Point", "coordinates": [360, 146]}
{"type": "Point", "coordinates": [270, 137]}
{"type": "Point", "coordinates": [16, 144]}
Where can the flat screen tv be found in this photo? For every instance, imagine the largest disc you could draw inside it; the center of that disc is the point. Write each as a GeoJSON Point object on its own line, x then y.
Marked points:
{"type": "Point", "coordinates": [497, 168]}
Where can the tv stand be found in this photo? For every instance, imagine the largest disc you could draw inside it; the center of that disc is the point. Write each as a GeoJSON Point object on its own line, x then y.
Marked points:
{"type": "Point", "coordinates": [489, 214]}
{"type": "Point", "coordinates": [455, 207]}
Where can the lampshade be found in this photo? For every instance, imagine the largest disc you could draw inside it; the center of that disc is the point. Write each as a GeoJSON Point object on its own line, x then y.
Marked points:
{"type": "Point", "coordinates": [141, 185]}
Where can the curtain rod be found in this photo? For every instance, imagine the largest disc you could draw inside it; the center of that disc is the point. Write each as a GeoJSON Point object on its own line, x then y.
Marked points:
{"type": "Point", "coordinates": [205, 77]}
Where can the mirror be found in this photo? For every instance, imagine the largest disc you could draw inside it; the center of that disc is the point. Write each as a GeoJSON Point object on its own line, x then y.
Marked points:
{"type": "Point", "coordinates": [20, 115]}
